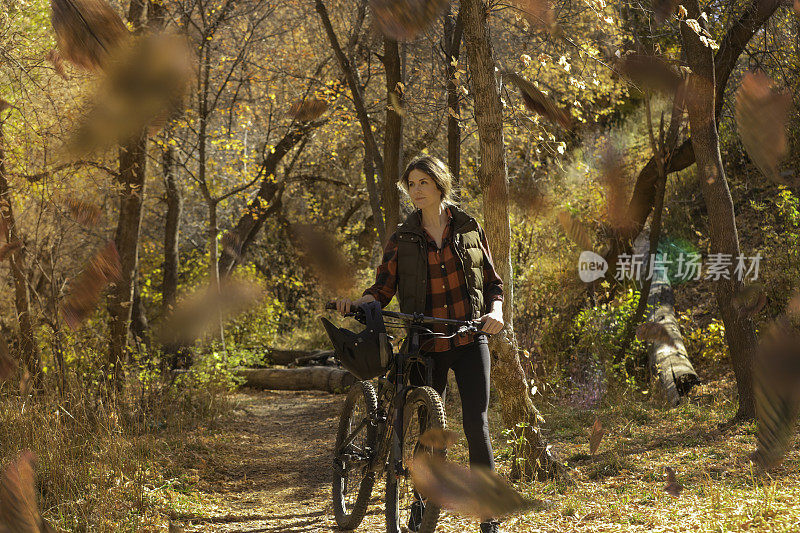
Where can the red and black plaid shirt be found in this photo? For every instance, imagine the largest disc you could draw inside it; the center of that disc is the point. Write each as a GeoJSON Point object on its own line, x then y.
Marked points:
{"type": "Point", "coordinates": [447, 287]}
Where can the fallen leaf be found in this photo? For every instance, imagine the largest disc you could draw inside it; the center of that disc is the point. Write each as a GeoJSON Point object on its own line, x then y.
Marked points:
{"type": "Point", "coordinates": [84, 212]}
{"type": "Point", "coordinates": [85, 291]}
{"type": "Point", "coordinates": [438, 439]}
{"type": "Point", "coordinates": [321, 253]}
{"type": "Point", "coordinates": [58, 63]}
{"type": "Point", "coordinates": [404, 20]}
{"type": "Point", "coordinates": [8, 248]}
{"type": "Point", "coordinates": [776, 388]}
{"type": "Point", "coordinates": [750, 299]}
{"type": "Point", "coordinates": [308, 109]}
{"type": "Point", "coordinates": [88, 32]}
{"type": "Point", "coordinates": [538, 13]}
{"type": "Point", "coordinates": [19, 512]}
{"type": "Point", "coordinates": [4, 104]}
{"type": "Point", "coordinates": [761, 115]}
{"type": "Point", "coordinates": [651, 72]}
{"type": "Point", "coordinates": [146, 84]}
{"type": "Point", "coordinates": [537, 102]}
{"type": "Point", "coordinates": [575, 230]}
{"type": "Point", "coordinates": [7, 364]}
{"type": "Point", "coordinates": [672, 487]}
{"type": "Point", "coordinates": [596, 436]}
{"type": "Point", "coordinates": [476, 491]}
{"type": "Point", "coordinates": [614, 183]}
{"type": "Point", "coordinates": [653, 332]}
{"type": "Point", "coordinates": [664, 9]}
{"type": "Point", "coordinates": [395, 104]}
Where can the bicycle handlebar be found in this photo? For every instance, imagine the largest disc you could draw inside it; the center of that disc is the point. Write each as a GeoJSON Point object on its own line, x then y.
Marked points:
{"type": "Point", "coordinates": [414, 319]}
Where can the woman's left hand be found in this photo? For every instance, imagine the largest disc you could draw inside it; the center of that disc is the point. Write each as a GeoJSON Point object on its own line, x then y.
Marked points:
{"type": "Point", "coordinates": [492, 322]}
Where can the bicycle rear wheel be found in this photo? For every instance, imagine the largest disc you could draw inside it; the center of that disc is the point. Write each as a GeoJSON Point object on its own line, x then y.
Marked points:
{"type": "Point", "coordinates": [356, 441]}
{"type": "Point", "coordinates": [406, 510]}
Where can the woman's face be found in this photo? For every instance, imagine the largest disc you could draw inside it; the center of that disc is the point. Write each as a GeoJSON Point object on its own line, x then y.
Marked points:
{"type": "Point", "coordinates": [423, 190]}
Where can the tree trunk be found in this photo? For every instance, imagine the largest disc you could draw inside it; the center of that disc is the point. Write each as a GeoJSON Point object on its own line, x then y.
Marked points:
{"type": "Point", "coordinates": [139, 324]}
{"type": "Point", "coordinates": [16, 260]}
{"type": "Point", "coordinates": [259, 209]}
{"type": "Point", "coordinates": [516, 404]}
{"type": "Point", "coordinates": [393, 137]}
{"type": "Point", "coordinates": [755, 15]}
{"type": "Point", "coordinates": [132, 167]}
{"type": "Point", "coordinates": [370, 146]}
{"type": "Point", "coordinates": [169, 284]}
{"type": "Point", "coordinates": [322, 378]}
{"type": "Point", "coordinates": [453, 29]}
{"type": "Point", "coordinates": [739, 328]}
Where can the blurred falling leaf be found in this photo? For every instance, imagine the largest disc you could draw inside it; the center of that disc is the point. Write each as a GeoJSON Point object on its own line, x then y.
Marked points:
{"type": "Point", "coordinates": [395, 104]}
{"type": "Point", "coordinates": [231, 245]}
{"type": "Point", "coordinates": [750, 299]}
{"type": "Point", "coordinates": [537, 102]}
{"type": "Point", "coordinates": [19, 512]}
{"type": "Point", "coordinates": [614, 183]}
{"type": "Point", "coordinates": [175, 528]}
{"type": "Point", "coordinates": [474, 491]}
{"type": "Point", "coordinates": [438, 439]}
{"type": "Point", "coordinates": [526, 195]}
{"type": "Point", "coordinates": [308, 109]}
{"type": "Point", "coordinates": [7, 364]}
{"type": "Point", "coordinates": [793, 307]}
{"type": "Point", "coordinates": [58, 63]}
{"type": "Point", "coordinates": [87, 31]}
{"type": "Point", "coordinates": [663, 9]}
{"type": "Point", "coordinates": [797, 7]}
{"type": "Point", "coordinates": [761, 116]}
{"type": "Point", "coordinates": [84, 212]}
{"type": "Point", "coordinates": [537, 12]}
{"type": "Point", "coordinates": [653, 332]}
{"type": "Point", "coordinates": [596, 436]}
{"type": "Point", "coordinates": [403, 20]}
{"type": "Point", "coordinates": [322, 255]}
{"type": "Point", "coordinates": [146, 84]}
{"type": "Point", "coordinates": [8, 248]}
{"type": "Point", "coordinates": [575, 230]}
{"type": "Point", "coordinates": [776, 387]}
{"type": "Point", "coordinates": [199, 313]}
{"type": "Point", "coordinates": [672, 487]}
{"type": "Point", "coordinates": [651, 72]}
{"type": "Point", "coordinates": [4, 104]}
{"type": "Point", "coordinates": [85, 291]}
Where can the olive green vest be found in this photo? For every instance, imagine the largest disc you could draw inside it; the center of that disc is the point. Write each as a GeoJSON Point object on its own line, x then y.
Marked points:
{"type": "Point", "coordinates": [412, 261]}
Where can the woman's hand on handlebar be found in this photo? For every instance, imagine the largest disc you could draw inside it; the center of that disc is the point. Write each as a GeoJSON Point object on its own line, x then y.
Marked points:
{"type": "Point", "coordinates": [493, 322]}
{"type": "Point", "coordinates": [345, 305]}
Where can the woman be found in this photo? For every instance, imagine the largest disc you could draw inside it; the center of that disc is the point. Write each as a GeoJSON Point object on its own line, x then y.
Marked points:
{"type": "Point", "coordinates": [438, 263]}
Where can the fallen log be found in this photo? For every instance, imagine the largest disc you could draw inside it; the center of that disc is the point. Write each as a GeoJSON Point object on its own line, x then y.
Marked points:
{"type": "Point", "coordinates": [285, 357]}
{"type": "Point", "coordinates": [322, 378]}
{"type": "Point", "coordinates": [667, 358]}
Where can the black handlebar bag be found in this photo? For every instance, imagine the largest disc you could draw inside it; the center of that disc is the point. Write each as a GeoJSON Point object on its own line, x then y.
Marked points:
{"type": "Point", "coordinates": [366, 355]}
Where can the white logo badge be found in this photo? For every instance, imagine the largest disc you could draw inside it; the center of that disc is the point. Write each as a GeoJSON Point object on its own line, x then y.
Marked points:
{"type": "Point", "coordinates": [591, 266]}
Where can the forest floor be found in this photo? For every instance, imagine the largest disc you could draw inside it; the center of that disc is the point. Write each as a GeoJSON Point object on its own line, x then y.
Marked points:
{"type": "Point", "coordinates": [266, 468]}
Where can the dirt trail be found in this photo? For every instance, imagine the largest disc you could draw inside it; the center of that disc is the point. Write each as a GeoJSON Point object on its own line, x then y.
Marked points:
{"type": "Point", "coordinates": [268, 468]}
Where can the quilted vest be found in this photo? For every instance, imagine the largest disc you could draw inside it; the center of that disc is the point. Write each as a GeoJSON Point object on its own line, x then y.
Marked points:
{"type": "Point", "coordinates": [412, 261]}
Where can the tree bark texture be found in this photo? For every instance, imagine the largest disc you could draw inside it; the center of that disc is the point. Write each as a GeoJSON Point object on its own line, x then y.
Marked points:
{"type": "Point", "coordinates": [518, 411]}
{"type": "Point", "coordinates": [132, 168]}
{"type": "Point", "coordinates": [27, 341]}
{"type": "Point", "coordinates": [370, 145]}
{"type": "Point", "coordinates": [739, 328]}
{"type": "Point", "coordinates": [453, 30]}
{"type": "Point", "coordinates": [169, 283]}
{"type": "Point", "coordinates": [393, 136]}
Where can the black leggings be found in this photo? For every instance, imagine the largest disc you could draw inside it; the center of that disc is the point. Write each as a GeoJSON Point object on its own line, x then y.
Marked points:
{"type": "Point", "coordinates": [470, 364]}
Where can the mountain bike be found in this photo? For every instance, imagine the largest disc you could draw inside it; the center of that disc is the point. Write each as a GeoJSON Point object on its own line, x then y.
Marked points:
{"type": "Point", "coordinates": [379, 428]}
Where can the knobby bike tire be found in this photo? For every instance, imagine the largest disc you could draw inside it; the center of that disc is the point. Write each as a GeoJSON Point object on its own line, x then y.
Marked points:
{"type": "Point", "coordinates": [418, 398]}
{"type": "Point", "coordinates": [349, 517]}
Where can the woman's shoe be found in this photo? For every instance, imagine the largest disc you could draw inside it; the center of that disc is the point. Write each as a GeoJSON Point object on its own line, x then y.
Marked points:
{"type": "Point", "coordinates": [490, 526]}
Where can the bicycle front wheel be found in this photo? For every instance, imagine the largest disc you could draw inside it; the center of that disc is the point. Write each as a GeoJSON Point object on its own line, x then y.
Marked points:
{"type": "Point", "coordinates": [406, 509]}
{"type": "Point", "coordinates": [356, 441]}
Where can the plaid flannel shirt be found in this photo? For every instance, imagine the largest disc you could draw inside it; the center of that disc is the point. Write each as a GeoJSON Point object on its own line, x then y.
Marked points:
{"type": "Point", "coordinates": [447, 288]}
